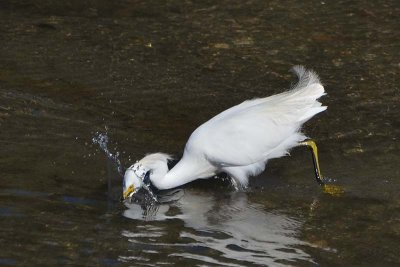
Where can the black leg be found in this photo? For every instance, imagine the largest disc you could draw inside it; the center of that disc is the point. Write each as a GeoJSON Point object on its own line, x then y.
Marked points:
{"type": "Point", "coordinates": [328, 188]}
{"type": "Point", "coordinates": [314, 153]}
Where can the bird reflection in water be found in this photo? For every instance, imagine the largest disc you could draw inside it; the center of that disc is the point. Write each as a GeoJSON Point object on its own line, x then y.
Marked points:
{"type": "Point", "coordinates": [231, 229]}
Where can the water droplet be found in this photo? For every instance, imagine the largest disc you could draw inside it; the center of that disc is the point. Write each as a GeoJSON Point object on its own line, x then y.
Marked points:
{"type": "Point", "coordinates": [102, 140]}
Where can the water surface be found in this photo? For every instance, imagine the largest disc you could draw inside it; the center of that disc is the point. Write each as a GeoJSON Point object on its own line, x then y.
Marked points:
{"type": "Point", "coordinates": [146, 74]}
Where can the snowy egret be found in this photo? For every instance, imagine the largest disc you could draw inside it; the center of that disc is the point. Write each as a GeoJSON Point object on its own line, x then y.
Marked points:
{"type": "Point", "coordinates": [239, 141]}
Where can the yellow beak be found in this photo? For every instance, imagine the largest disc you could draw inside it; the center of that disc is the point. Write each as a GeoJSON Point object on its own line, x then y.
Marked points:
{"type": "Point", "coordinates": [128, 191]}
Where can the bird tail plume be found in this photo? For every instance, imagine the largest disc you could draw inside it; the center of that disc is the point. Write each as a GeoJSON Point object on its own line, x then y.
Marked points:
{"type": "Point", "coordinates": [306, 93]}
{"type": "Point", "coordinates": [300, 103]}
{"type": "Point", "coordinates": [297, 106]}
{"type": "Point", "coordinates": [306, 77]}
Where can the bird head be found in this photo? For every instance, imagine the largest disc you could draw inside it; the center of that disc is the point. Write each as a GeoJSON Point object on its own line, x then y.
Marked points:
{"type": "Point", "coordinates": [151, 168]}
{"type": "Point", "coordinates": [133, 179]}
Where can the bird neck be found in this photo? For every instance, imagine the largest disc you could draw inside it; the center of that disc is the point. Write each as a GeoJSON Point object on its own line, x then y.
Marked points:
{"type": "Point", "coordinates": [185, 171]}
{"type": "Point", "coordinates": [158, 174]}
{"type": "Point", "coordinates": [163, 179]}
{"type": "Point", "coordinates": [156, 164]}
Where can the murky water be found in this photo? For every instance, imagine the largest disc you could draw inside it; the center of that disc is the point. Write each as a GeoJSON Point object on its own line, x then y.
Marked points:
{"type": "Point", "coordinates": [146, 74]}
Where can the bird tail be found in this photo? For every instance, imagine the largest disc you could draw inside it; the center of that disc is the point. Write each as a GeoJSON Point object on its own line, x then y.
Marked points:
{"type": "Point", "coordinates": [305, 93]}
{"type": "Point", "coordinates": [306, 77]}
{"type": "Point", "coordinates": [295, 107]}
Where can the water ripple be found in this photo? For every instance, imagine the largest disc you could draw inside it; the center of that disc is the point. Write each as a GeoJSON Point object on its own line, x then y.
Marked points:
{"type": "Point", "coordinates": [229, 232]}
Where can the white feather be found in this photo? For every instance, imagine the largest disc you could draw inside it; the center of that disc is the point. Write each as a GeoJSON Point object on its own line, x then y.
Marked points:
{"type": "Point", "coordinates": [240, 140]}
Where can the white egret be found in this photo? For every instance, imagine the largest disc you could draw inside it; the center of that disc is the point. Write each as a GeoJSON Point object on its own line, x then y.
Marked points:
{"type": "Point", "coordinates": [238, 141]}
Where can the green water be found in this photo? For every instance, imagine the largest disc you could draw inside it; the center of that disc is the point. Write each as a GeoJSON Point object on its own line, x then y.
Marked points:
{"type": "Point", "coordinates": [147, 74]}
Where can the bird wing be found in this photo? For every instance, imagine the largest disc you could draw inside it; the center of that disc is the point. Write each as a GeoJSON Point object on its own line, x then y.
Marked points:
{"type": "Point", "coordinates": [259, 129]}
{"type": "Point", "coordinates": [241, 138]}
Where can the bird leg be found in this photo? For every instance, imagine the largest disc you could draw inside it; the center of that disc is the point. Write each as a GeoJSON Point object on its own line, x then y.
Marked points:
{"type": "Point", "coordinates": [314, 153]}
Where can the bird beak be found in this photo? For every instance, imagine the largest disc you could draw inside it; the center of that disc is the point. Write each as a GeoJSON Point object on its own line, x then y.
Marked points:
{"type": "Point", "coordinates": [128, 192]}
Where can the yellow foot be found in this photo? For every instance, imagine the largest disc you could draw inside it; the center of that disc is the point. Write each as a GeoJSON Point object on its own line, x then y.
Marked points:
{"type": "Point", "coordinates": [333, 190]}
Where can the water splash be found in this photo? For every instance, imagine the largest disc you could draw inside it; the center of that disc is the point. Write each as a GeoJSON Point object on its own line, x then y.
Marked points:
{"type": "Point", "coordinates": [102, 140]}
